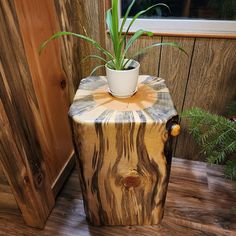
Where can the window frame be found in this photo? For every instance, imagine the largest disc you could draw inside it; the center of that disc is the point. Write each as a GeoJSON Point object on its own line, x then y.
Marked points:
{"type": "Point", "coordinates": [183, 27]}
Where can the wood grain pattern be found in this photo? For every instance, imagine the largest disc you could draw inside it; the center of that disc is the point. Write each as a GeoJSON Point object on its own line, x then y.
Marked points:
{"type": "Point", "coordinates": [28, 178]}
{"type": "Point", "coordinates": [55, 135]}
{"type": "Point", "coordinates": [211, 84]}
{"type": "Point", "coordinates": [8, 205]}
{"type": "Point", "coordinates": [86, 19]}
{"type": "Point", "coordinates": [123, 165]}
{"type": "Point", "coordinates": [67, 17]}
{"type": "Point", "coordinates": [21, 155]}
{"type": "Point", "coordinates": [174, 67]}
{"type": "Point", "coordinates": [3, 179]}
{"type": "Point", "coordinates": [192, 208]}
{"type": "Point", "coordinates": [35, 135]}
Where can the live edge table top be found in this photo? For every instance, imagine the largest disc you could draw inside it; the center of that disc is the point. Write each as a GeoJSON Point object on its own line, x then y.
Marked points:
{"type": "Point", "coordinates": [151, 103]}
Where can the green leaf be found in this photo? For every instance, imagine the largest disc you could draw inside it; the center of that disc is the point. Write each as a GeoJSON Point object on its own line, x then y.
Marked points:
{"type": "Point", "coordinates": [157, 45]}
{"type": "Point", "coordinates": [136, 36]}
{"type": "Point", "coordinates": [115, 26]}
{"type": "Point", "coordinates": [143, 12]}
{"type": "Point", "coordinates": [109, 23]}
{"type": "Point", "coordinates": [87, 39]}
{"type": "Point", "coordinates": [115, 17]}
{"type": "Point", "coordinates": [230, 169]}
{"type": "Point", "coordinates": [126, 16]}
{"type": "Point", "coordinates": [96, 68]}
{"type": "Point", "coordinates": [94, 57]}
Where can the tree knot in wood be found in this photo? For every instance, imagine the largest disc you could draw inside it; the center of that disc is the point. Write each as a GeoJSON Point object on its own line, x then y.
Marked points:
{"type": "Point", "coordinates": [131, 180]}
{"type": "Point", "coordinates": [38, 179]}
{"type": "Point", "coordinates": [63, 83]}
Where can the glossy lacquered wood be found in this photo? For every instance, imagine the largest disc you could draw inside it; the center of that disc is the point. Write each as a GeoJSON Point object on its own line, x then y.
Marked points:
{"type": "Point", "coordinates": [123, 158]}
{"type": "Point", "coordinates": [200, 202]}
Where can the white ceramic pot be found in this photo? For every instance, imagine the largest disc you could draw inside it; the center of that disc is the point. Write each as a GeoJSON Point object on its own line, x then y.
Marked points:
{"type": "Point", "coordinates": [123, 83]}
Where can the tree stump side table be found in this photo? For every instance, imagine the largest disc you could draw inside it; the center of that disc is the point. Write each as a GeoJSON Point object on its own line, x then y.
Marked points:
{"type": "Point", "coordinates": [124, 151]}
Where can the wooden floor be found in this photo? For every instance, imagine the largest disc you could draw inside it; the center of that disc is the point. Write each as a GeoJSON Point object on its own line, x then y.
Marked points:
{"type": "Point", "coordinates": [199, 202]}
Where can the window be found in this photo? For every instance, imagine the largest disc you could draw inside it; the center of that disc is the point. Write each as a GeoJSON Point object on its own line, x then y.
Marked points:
{"type": "Point", "coordinates": [191, 17]}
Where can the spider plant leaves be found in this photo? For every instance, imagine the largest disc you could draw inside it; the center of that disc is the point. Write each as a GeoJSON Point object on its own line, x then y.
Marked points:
{"type": "Point", "coordinates": [115, 27]}
{"type": "Point", "coordinates": [136, 36]}
{"type": "Point", "coordinates": [87, 39]}
{"type": "Point", "coordinates": [176, 45]}
{"type": "Point", "coordinates": [143, 12]}
{"type": "Point", "coordinates": [94, 57]}
{"type": "Point", "coordinates": [115, 59]}
{"type": "Point", "coordinates": [109, 22]}
{"type": "Point", "coordinates": [95, 69]}
{"type": "Point", "coordinates": [126, 16]}
{"type": "Point", "coordinates": [110, 63]}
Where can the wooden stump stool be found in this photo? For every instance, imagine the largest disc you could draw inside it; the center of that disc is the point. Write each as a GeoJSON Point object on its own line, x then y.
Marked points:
{"type": "Point", "coordinates": [124, 151]}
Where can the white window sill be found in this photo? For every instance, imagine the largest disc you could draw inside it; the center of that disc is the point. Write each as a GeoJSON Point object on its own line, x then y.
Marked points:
{"type": "Point", "coordinates": [177, 27]}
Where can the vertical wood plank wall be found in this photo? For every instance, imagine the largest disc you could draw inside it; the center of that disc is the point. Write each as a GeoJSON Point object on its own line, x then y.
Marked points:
{"type": "Point", "coordinates": [206, 78]}
{"type": "Point", "coordinates": [8, 205]}
{"type": "Point", "coordinates": [36, 150]}
{"type": "Point", "coordinates": [49, 81]}
{"type": "Point", "coordinates": [84, 17]}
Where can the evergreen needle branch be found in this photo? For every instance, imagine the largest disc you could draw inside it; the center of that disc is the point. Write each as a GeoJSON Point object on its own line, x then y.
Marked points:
{"type": "Point", "coordinates": [216, 136]}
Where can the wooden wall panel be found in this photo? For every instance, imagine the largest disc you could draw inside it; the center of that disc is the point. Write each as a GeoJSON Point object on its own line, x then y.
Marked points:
{"type": "Point", "coordinates": [211, 86]}
{"type": "Point", "coordinates": [86, 18]}
{"type": "Point", "coordinates": [21, 156]}
{"type": "Point", "coordinates": [50, 85]}
{"type": "Point", "coordinates": [175, 66]}
{"type": "Point", "coordinates": [149, 62]}
{"type": "Point", "coordinates": [20, 153]}
{"type": "Point", "coordinates": [3, 180]}
{"type": "Point", "coordinates": [70, 45]}
{"type": "Point", "coordinates": [8, 205]}
{"type": "Point", "coordinates": [36, 148]}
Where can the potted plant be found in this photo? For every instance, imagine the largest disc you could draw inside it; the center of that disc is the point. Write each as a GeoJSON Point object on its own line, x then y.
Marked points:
{"type": "Point", "coordinates": [122, 72]}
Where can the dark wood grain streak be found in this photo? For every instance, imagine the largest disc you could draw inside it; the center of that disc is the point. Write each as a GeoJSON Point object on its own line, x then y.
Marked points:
{"type": "Point", "coordinates": [67, 17]}
{"type": "Point", "coordinates": [192, 208]}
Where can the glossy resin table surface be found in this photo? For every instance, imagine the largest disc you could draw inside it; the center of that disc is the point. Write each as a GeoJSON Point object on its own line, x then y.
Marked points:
{"type": "Point", "coordinates": [151, 103]}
